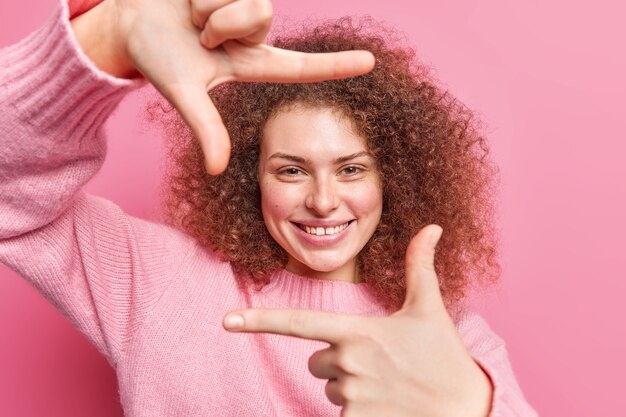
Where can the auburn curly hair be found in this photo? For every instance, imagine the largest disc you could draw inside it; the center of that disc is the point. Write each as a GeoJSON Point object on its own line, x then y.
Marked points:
{"type": "Point", "coordinates": [432, 158]}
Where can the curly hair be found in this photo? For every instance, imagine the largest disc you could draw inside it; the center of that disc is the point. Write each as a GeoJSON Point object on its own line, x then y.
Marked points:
{"type": "Point", "coordinates": [432, 159]}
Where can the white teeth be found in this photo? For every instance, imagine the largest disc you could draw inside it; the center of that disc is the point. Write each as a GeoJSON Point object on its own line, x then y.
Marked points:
{"type": "Point", "coordinates": [321, 231]}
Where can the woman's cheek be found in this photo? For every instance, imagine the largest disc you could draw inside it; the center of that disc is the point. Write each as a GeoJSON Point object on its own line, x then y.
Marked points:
{"type": "Point", "coordinates": [276, 201]}
{"type": "Point", "coordinates": [366, 198]}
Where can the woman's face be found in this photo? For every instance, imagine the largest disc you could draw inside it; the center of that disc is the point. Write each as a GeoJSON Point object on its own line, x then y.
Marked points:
{"type": "Point", "coordinates": [321, 191]}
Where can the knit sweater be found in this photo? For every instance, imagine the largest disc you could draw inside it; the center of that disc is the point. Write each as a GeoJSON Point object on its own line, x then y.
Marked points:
{"type": "Point", "coordinates": [145, 294]}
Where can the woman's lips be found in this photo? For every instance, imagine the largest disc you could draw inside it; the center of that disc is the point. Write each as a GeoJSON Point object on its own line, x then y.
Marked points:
{"type": "Point", "coordinates": [322, 238]}
{"type": "Point", "coordinates": [321, 230]}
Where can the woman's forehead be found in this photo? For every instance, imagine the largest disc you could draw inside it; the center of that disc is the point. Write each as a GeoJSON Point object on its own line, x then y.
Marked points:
{"type": "Point", "coordinates": [308, 131]}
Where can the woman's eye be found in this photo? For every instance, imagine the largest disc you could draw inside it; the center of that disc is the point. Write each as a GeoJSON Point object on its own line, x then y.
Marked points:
{"type": "Point", "coordinates": [292, 172]}
{"type": "Point", "coordinates": [351, 170]}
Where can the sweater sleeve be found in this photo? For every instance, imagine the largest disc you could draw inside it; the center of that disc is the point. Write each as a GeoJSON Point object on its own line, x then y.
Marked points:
{"type": "Point", "coordinates": [489, 352]}
{"type": "Point", "coordinates": [103, 269]}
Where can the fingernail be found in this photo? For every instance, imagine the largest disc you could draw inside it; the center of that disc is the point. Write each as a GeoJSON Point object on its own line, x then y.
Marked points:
{"type": "Point", "coordinates": [233, 322]}
{"type": "Point", "coordinates": [434, 237]}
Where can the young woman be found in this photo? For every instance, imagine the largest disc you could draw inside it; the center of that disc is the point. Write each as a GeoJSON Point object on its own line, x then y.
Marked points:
{"type": "Point", "coordinates": [304, 234]}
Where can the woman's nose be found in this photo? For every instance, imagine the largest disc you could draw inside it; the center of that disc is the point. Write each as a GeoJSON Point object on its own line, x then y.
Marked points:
{"type": "Point", "coordinates": [322, 197]}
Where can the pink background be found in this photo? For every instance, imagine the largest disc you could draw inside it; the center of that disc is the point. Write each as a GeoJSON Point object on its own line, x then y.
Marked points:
{"type": "Point", "coordinates": [548, 78]}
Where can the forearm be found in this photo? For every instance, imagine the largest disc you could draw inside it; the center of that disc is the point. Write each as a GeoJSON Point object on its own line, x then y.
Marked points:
{"type": "Point", "coordinates": [82, 253]}
{"type": "Point", "coordinates": [53, 103]}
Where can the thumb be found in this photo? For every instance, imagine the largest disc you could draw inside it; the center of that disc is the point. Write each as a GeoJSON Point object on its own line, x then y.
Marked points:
{"type": "Point", "coordinates": [199, 112]}
{"type": "Point", "coordinates": [422, 283]}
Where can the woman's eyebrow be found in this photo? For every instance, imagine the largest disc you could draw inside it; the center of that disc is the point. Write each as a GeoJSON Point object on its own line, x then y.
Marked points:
{"type": "Point", "coordinates": [302, 160]}
{"type": "Point", "coordinates": [347, 158]}
{"type": "Point", "coordinates": [293, 158]}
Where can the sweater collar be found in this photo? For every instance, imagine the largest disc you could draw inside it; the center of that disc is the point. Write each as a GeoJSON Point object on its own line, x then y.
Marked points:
{"type": "Point", "coordinates": [289, 290]}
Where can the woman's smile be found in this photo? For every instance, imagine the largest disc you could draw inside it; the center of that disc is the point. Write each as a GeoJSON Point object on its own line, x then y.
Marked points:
{"type": "Point", "coordinates": [321, 235]}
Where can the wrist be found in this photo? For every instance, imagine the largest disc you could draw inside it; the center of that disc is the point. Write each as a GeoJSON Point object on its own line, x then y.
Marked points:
{"type": "Point", "coordinates": [99, 36]}
{"type": "Point", "coordinates": [482, 397]}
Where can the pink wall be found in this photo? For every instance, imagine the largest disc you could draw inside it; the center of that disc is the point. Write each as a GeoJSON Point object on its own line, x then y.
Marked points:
{"type": "Point", "coordinates": [548, 79]}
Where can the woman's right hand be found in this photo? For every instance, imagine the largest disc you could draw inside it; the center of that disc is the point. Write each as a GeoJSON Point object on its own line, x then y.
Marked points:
{"type": "Point", "coordinates": [187, 47]}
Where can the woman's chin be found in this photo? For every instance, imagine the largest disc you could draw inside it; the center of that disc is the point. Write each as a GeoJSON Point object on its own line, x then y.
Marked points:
{"type": "Point", "coordinates": [323, 269]}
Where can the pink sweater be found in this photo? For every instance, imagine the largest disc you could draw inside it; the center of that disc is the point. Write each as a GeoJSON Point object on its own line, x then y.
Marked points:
{"type": "Point", "coordinates": [146, 295]}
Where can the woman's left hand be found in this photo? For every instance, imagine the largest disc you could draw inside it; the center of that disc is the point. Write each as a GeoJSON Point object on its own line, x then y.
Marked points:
{"type": "Point", "coordinates": [411, 363]}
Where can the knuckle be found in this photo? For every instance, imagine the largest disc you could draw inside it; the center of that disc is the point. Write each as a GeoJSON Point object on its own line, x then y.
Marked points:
{"type": "Point", "coordinates": [427, 263]}
{"type": "Point", "coordinates": [254, 320]}
{"type": "Point", "coordinates": [195, 17]}
{"type": "Point", "coordinates": [296, 321]}
{"type": "Point", "coordinates": [263, 9]}
{"type": "Point", "coordinates": [199, 12]}
{"type": "Point", "coordinates": [344, 360]}
{"type": "Point", "coordinates": [366, 340]}
{"type": "Point", "coordinates": [347, 389]}
{"type": "Point", "coordinates": [194, 7]}
{"type": "Point", "coordinates": [348, 411]}
{"type": "Point", "coordinates": [203, 6]}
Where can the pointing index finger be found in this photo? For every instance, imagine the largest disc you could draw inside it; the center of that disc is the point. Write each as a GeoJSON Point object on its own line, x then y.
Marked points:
{"type": "Point", "coordinates": [313, 325]}
{"type": "Point", "coordinates": [267, 63]}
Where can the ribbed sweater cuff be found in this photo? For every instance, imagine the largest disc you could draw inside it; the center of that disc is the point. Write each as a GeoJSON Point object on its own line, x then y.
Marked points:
{"type": "Point", "coordinates": [507, 401]}
{"type": "Point", "coordinates": [50, 79]}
